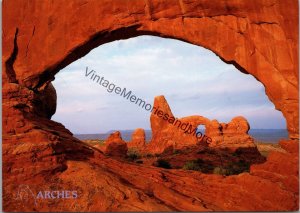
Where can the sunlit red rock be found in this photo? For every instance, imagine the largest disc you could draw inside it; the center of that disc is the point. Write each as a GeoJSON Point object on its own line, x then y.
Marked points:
{"type": "Point", "coordinates": [41, 37]}
{"type": "Point", "coordinates": [281, 167]}
{"type": "Point", "coordinates": [177, 133]}
{"type": "Point", "coordinates": [138, 139]}
{"type": "Point", "coordinates": [255, 36]}
{"type": "Point", "coordinates": [170, 132]}
{"type": "Point", "coordinates": [232, 135]}
{"type": "Point", "coordinates": [115, 146]}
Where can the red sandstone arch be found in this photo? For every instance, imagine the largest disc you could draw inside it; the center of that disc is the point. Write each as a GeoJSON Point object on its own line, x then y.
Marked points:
{"type": "Point", "coordinates": [256, 36]}
{"type": "Point", "coordinates": [259, 37]}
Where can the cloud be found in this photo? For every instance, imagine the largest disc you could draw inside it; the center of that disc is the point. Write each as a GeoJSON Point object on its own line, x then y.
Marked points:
{"type": "Point", "coordinates": [193, 79]}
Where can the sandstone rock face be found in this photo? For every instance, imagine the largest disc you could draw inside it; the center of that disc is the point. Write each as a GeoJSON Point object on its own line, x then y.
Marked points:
{"type": "Point", "coordinates": [138, 139]}
{"type": "Point", "coordinates": [275, 169]}
{"type": "Point", "coordinates": [168, 131]}
{"type": "Point", "coordinates": [47, 103]}
{"type": "Point", "coordinates": [255, 36]}
{"type": "Point", "coordinates": [115, 146]}
{"type": "Point", "coordinates": [174, 133]}
{"type": "Point", "coordinates": [41, 37]}
{"type": "Point", "coordinates": [233, 135]}
{"type": "Point", "coordinates": [238, 125]}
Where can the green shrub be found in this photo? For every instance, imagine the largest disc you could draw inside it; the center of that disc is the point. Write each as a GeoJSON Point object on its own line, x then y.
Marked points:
{"type": "Point", "coordinates": [101, 144]}
{"type": "Point", "coordinates": [162, 163]}
{"type": "Point", "coordinates": [192, 165]}
{"type": "Point", "coordinates": [237, 153]}
{"type": "Point", "coordinates": [199, 165]}
{"type": "Point", "coordinates": [177, 151]}
{"type": "Point", "coordinates": [220, 171]}
{"type": "Point", "coordinates": [235, 168]}
{"type": "Point", "coordinates": [133, 155]}
{"type": "Point", "coordinates": [149, 155]}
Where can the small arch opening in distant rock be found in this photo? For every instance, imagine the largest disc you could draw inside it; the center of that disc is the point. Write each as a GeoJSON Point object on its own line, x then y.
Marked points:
{"type": "Point", "coordinates": [201, 128]}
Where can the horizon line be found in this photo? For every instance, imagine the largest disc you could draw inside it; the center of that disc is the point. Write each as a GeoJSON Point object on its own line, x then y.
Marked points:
{"type": "Point", "coordinates": [110, 131]}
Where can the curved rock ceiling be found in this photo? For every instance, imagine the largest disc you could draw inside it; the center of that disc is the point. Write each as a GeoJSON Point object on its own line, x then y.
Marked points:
{"type": "Point", "coordinates": [259, 37]}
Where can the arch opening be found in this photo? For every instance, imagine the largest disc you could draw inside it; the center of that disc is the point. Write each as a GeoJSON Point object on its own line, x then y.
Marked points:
{"type": "Point", "coordinates": [132, 58]}
{"type": "Point", "coordinates": [42, 38]}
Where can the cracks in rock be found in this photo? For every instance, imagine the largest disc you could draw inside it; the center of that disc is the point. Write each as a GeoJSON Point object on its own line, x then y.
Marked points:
{"type": "Point", "coordinates": [212, 17]}
{"type": "Point", "coordinates": [164, 177]}
{"type": "Point", "coordinates": [150, 193]}
{"type": "Point", "coordinates": [239, 31]}
{"type": "Point", "coordinates": [132, 186]}
{"type": "Point", "coordinates": [264, 22]}
{"type": "Point", "coordinates": [148, 9]}
{"type": "Point", "coordinates": [279, 182]}
{"type": "Point", "coordinates": [9, 64]}
{"type": "Point", "coordinates": [181, 4]}
{"type": "Point", "coordinates": [33, 30]}
{"type": "Point", "coordinates": [272, 4]}
{"type": "Point", "coordinates": [202, 203]}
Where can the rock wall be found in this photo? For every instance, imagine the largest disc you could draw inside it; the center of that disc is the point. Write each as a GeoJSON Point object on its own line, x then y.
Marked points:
{"type": "Point", "coordinates": [259, 37]}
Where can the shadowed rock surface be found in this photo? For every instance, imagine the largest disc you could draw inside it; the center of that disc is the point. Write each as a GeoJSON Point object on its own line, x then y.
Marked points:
{"type": "Point", "coordinates": [42, 37]}
{"type": "Point", "coordinates": [115, 146]}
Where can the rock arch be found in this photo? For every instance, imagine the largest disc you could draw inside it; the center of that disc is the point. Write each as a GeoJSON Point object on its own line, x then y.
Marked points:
{"type": "Point", "coordinates": [255, 36]}
{"type": "Point", "coordinates": [41, 37]}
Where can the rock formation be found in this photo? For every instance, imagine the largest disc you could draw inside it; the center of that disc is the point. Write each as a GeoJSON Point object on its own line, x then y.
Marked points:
{"type": "Point", "coordinates": [232, 135]}
{"type": "Point", "coordinates": [174, 133]}
{"type": "Point", "coordinates": [138, 139]}
{"type": "Point", "coordinates": [41, 37]}
{"type": "Point", "coordinates": [168, 131]}
{"type": "Point", "coordinates": [255, 36]}
{"type": "Point", "coordinates": [115, 146]}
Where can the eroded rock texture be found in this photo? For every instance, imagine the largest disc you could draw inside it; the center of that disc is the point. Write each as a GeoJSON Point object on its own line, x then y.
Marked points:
{"type": "Point", "coordinates": [115, 146]}
{"type": "Point", "coordinates": [233, 135]}
{"type": "Point", "coordinates": [138, 139]}
{"type": "Point", "coordinates": [40, 37]}
{"type": "Point", "coordinates": [258, 37]}
{"type": "Point", "coordinates": [170, 133]}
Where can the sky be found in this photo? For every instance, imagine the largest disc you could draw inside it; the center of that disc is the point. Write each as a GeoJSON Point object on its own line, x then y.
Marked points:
{"type": "Point", "coordinates": [193, 80]}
